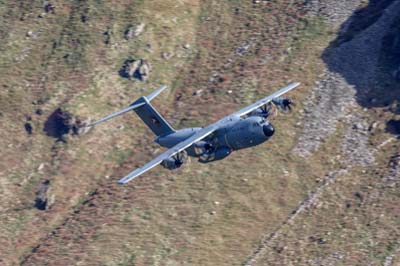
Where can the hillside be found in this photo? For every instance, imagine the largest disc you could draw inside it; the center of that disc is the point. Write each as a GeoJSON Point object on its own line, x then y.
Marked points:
{"type": "Point", "coordinates": [323, 191]}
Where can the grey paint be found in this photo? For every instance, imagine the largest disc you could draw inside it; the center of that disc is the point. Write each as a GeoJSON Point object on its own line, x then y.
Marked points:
{"type": "Point", "coordinates": [245, 128]}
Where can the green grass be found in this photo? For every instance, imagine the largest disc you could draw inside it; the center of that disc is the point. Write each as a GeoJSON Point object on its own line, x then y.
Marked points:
{"type": "Point", "coordinates": [167, 217]}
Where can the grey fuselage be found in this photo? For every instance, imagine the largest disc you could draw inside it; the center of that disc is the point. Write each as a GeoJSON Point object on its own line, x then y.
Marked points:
{"type": "Point", "coordinates": [235, 133]}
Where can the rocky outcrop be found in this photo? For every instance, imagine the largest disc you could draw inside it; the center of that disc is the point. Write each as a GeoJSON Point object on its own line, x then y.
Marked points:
{"type": "Point", "coordinates": [43, 201]}
{"type": "Point", "coordinates": [132, 32]}
{"type": "Point", "coordinates": [136, 69]}
{"type": "Point", "coordinates": [61, 123]}
{"type": "Point", "coordinates": [354, 66]}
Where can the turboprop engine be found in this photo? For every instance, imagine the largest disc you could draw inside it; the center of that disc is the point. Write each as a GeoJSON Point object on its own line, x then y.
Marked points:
{"type": "Point", "coordinates": [175, 162]}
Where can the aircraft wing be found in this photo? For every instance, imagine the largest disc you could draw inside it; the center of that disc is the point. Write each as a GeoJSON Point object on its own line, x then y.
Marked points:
{"type": "Point", "coordinates": [169, 153]}
{"type": "Point", "coordinates": [266, 100]}
{"type": "Point", "coordinates": [202, 134]}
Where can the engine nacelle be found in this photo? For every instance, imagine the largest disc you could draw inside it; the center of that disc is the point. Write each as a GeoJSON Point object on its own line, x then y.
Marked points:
{"type": "Point", "coordinates": [259, 112]}
{"type": "Point", "coordinates": [215, 155]}
{"type": "Point", "coordinates": [203, 147]}
{"type": "Point", "coordinates": [170, 164]}
{"type": "Point", "coordinates": [175, 162]}
{"type": "Point", "coordinates": [283, 104]}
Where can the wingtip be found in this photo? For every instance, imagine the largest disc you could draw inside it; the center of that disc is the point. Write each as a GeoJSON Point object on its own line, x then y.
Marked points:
{"type": "Point", "coordinates": [124, 180]}
{"type": "Point", "coordinates": [156, 92]}
{"type": "Point", "coordinates": [296, 84]}
{"type": "Point", "coordinates": [88, 125]}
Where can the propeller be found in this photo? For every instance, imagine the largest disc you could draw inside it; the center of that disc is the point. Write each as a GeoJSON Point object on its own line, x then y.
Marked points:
{"type": "Point", "coordinates": [209, 147]}
{"type": "Point", "coordinates": [180, 158]}
{"type": "Point", "coordinates": [284, 104]}
{"type": "Point", "coordinates": [266, 110]}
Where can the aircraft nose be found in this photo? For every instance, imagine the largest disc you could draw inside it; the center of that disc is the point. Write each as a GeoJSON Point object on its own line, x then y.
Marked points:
{"type": "Point", "coordinates": [268, 130]}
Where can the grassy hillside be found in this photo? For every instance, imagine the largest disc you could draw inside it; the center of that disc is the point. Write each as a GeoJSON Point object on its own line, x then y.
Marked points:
{"type": "Point", "coordinates": [62, 64]}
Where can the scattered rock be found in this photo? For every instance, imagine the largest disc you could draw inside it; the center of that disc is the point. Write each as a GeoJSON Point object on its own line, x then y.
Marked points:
{"type": "Point", "coordinates": [373, 126]}
{"type": "Point", "coordinates": [61, 123]}
{"type": "Point", "coordinates": [139, 69]}
{"type": "Point", "coordinates": [167, 55]}
{"type": "Point", "coordinates": [42, 200]}
{"type": "Point", "coordinates": [336, 12]}
{"type": "Point", "coordinates": [394, 107]}
{"type": "Point", "coordinates": [107, 36]}
{"type": "Point", "coordinates": [243, 49]}
{"type": "Point", "coordinates": [41, 166]}
{"type": "Point", "coordinates": [139, 29]}
{"type": "Point", "coordinates": [197, 93]}
{"type": "Point", "coordinates": [132, 32]}
{"type": "Point", "coordinates": [359, 196]}
{"type": "Point", "coordinates": [28, 128]}
{"type": "Point", "coordinates": [186, 46]}
{"type": "Point", "coordinates": [79, 126]}
{"type": "Point", "coordinates": [49, 8]}
{"type": "Point", "coordinates": [328, 103]}
{"type": "Point", "coordinates": [355, 145]}
{"type": "Point", "coordinates": [215, 76]}
{"type": "Point", "coordinates": [39, 111]}
{"type": "Point", "coordinates": [393, 176]}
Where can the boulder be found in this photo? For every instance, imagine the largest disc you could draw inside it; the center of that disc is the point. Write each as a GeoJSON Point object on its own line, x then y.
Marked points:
{"type": "Point", "coordinates": [167, 55]}
{"type": "Point", "coordinates": [139, 69]}
{"type": "Point", "coordinates": [132, 32]}
{"type": "Point", "coordinates": [42, 200]}
{"type": "Point", "coordinates": [62, 123]}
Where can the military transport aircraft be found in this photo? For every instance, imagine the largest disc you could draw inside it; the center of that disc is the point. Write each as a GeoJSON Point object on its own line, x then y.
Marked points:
{"type": "Point", "coordinates": [245, 128]}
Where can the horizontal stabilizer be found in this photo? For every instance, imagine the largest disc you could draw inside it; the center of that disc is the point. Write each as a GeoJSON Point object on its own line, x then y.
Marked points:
{"type": "Point", "coordinates": [154, 119]}
{"type": "Point", "coordinates": [133, 106]}
{"type": "Point", "coordinates": [116, 114]}
{"type": "Point", "coordinates": [155, 93]}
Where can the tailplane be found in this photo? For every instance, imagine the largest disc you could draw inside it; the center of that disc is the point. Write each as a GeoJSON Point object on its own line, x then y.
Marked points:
{"type": "Point", "coordinates": [146, 112]}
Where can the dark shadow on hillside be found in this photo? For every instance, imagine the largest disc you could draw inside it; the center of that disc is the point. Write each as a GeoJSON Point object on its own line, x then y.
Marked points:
{"type": "Point", "coordinates": [58, 125]}
{"type": "Point", "coordinates": [393, 127]}
{"type": "Point", "coordinates": [367, 54]}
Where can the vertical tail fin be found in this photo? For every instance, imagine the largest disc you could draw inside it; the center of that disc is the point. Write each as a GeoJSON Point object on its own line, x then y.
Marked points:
{"type": "Point", "coordinates": [146, 112]}
{"type": "Point", "coordinates": [152, 118]}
